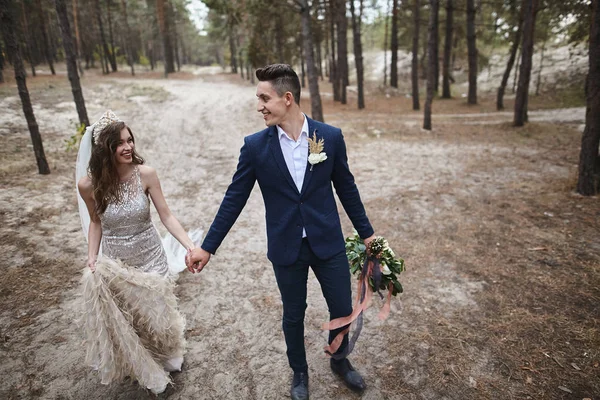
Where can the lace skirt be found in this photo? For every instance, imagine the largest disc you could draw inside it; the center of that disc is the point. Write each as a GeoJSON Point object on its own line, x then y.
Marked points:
{"type": "Point", "coordinates": [132, 325]}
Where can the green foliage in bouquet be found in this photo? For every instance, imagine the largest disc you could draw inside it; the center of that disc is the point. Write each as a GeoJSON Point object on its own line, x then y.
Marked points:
{"type": "Point", "coordinates": [391, 266]}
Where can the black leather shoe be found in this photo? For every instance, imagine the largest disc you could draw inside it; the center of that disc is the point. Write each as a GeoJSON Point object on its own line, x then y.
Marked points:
{"type": "Point", "coordinates": [346, 371]}
{"type": "Point", "coordinates": [299, 386]}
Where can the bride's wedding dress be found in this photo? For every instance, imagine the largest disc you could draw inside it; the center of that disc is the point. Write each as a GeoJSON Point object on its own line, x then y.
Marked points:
{"type": "Point", "coordinates": [131, 320]}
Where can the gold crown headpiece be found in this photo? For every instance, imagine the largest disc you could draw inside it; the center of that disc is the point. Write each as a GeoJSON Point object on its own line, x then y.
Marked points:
{"type": "Point", "coordinates": [107, 118]}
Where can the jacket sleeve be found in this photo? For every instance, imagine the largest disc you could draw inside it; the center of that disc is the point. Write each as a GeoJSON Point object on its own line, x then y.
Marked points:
{"type": "Point", "coordinates": [346, 189]}
{"type": "Point", "coordinates": [234, 201]}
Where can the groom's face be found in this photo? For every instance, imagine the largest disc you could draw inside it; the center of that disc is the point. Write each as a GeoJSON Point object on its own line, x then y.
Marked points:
{"type": "Point", "coordinates": [272, 106]}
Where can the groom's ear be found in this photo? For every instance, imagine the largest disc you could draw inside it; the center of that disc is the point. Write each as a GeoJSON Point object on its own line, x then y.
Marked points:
{"type": "Point", "coordinates": [289, 98]}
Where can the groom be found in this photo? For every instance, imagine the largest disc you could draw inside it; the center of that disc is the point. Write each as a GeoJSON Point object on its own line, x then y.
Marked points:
{"type": "Point", "coordinates": [303, 224]}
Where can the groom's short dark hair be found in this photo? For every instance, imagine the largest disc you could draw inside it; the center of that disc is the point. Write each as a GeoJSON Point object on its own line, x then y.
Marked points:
{"type": "Point", "coordinates": [282, 77]}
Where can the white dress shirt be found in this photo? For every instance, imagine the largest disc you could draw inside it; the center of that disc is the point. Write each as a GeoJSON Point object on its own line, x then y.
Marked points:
{"type": "Point", "coordinates": [295, 153]}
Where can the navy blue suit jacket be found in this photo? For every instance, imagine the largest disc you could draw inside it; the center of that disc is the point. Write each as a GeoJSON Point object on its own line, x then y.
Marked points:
{"type": "Point", "coordinates": [287, 210]}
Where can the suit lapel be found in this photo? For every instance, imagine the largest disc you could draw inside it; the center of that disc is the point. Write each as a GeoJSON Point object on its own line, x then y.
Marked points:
{"type": "Point", "coordinates": [308, 173]}
{"type": "Point", "coordinates": [278, 154]}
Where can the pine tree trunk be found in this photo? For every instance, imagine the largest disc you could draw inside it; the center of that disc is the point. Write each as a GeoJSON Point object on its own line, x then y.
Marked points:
{"type": "Point", "coordinates": [342, 32]}
{"type": "Point", "coordinates": [78, 48]}
{"type": "Point", "coordinates": [358, 57]}
{"type": "Point", "coordinates": [530, 11]}
{"type": "Point", "coordinates": [176, 49]}
{"type": "Point", "coordinates": [434, 9]}
{"type": "Point", "coordinates": [589, 162]}
{"type": "Point", "coordinates": [28, 40]}
{"type": "Point", "coordinates": [129, 37]}
{"type": "Point", "coordinates": [45, 45]}
{"type": "Point", "coordinates": [447, 50]}
{"type": "Point", "coordinates": [232, 50]}
{"type": "Point", "coordinates": [511, 59]}
{"type": "Point", "coordinates": [1, 65]}
{"type": "Point", "coordinates": [394, 45]}
{"type": "Point", "coordinates": [165, 31]}
{"type": "Point", "coordinates": [415, 56]}
{"type": "Point", "coordinates": [172, 18]}
{"type": "Point", "coordinates": [316, 108]}
{"type": "Point", "coordinates": [8, 28]}
{"type": "Point", "coordinates": [112, 57]}
{"type": "Point", "coordinates": [279, 26]}
{"type": "Point", "coordinates": [63, 18]}
{"type": "Point", "coordinates": [436, 51]}
{"type": "Point", "coordinates": [539, 75]}
{"type": "Point", "coordinates": [385, 44]}
{"type": "Point", "coordinates": [102, 36]}
{"type": "Point", "coordinates": [518, 67]}
{"type": "Point", "coordinates": [334, 63]}
{"type": "Point", "coordinates": [472, 52]}
{"type": "Point", "coordinates": [302, 70]}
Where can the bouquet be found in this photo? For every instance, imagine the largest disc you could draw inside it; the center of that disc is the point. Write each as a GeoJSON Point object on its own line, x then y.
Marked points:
{"type": "Point", "coordinates": [386, 266]}
{"type": "Point", "coordinates": [377, 268]}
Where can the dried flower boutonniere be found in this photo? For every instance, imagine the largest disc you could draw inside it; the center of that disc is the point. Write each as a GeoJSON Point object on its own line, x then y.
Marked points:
{"type": "Point", "coordinates": [315, 150]}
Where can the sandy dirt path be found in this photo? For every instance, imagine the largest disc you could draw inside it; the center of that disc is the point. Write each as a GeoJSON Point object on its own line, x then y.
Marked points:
{"type": "Point", "coordinates": [432, 198]}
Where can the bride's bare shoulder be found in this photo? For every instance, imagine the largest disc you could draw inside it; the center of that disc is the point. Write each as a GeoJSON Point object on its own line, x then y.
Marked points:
{"type": "Point", "coordinates": [85, 185]}
{"type": "Point", "coordinates": [146, 171]}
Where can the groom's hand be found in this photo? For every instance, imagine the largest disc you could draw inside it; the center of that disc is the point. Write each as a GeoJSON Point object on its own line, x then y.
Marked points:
{"type": "Point", "coordinates": [369, 240]}
{"type": "Point", "coordinates": [196, 259]}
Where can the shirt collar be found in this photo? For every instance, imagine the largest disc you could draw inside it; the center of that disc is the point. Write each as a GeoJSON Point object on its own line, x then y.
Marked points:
{"type": "Point", "coordinates": [304, 132]}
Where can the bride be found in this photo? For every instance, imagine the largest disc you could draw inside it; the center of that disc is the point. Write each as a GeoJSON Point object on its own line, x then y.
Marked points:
{"type": "Point", "coordinates": [132, 323]}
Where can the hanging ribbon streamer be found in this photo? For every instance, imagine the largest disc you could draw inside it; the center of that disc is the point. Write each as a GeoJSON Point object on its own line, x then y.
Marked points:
{"type": "Point", "coordinates": [372, 269]}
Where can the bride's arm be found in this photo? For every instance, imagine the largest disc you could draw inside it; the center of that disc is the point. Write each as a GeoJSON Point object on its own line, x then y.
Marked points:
{"type": "Point", "coordinates": [95, 231]}
{"type": "Point", "coordinates": [152, 184]}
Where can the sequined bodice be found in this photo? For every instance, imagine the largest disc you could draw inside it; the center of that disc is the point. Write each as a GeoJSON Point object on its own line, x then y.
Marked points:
{"type": "Point", "coordinates": [127, 230]}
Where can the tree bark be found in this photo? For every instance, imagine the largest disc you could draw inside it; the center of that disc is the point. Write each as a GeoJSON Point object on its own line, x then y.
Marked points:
{"type": "Point", "coordinates": [436, 51]}
{"type": "Point", "coordinates": [434, 9]}
{"type": "Point", "coordinates": [394, 45]}
{"type": "Point", "coordinates": [1, 65]}
{"type": "Point", "coordinates": [530, 11]}
{"type": "Point", "coordinates": [588, 183]}
{"type": "Point", "coordinates": [511, 60]}
{"type": "Point", "coordinates": [539, 75]}
{"type": "Point", "coordinates": [385, 44]}
{"type": "Point", "coordinates": [98, 10]}
{"type": "Point", "coordinates": [447, 50]}
{"type": "Point", "coordinates": [342, 32]}
{"type": "Point", "coordinates": [279, 36]}
{"type": "Point", "coordinates": [415, 56]}
{"type": "Point", "coordinates": [302, 69]}
{"type": "Point", "coordinates": [165, 31]}
{"type": "Point", "coordinates": [78, 48]}
{"type": "Point", "coordinates": [334, 64]}
{"type": "Point", "coordinates": [517, 68]}
{"type": "Point", "coordinates": [313, 77]}
{"type": "Point", "coordinates": [112, 57]}
{"type": "Point", "coordinates": [232, 49]}
{"type": "Point", "coordinates": [358, 57]}
{"type": "Point", "coordinates": [472, 52]}
{"type": "Point", "coordinates": [129, 37]}
{"type": "Point", "coordinates": [63, 18]}
{"type": "Point", "coordinates": [8, 28]}
{"type": "Point", "coordinates": [45, 44]}
{"type": "Point", "coordinates": [28, 39]}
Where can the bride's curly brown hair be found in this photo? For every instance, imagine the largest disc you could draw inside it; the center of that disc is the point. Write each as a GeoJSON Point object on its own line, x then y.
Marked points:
{"type": "Point", "coordinates": [103, 165]}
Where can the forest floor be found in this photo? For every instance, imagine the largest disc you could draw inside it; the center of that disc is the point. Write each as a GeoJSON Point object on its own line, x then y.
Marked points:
{"type": "Point", "coordinates": [502, 288]}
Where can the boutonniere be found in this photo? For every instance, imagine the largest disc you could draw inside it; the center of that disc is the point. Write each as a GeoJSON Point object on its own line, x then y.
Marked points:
{"type": "Point", "coordinates": [315, 150]}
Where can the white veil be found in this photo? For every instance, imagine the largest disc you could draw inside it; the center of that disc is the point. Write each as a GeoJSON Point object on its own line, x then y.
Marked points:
{"type": "Point", "coordinates": [83, 159]}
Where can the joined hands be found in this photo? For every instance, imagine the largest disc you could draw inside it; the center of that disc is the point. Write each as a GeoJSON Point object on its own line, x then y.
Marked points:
{"type": "Point", "coordinates": [196, 259]}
